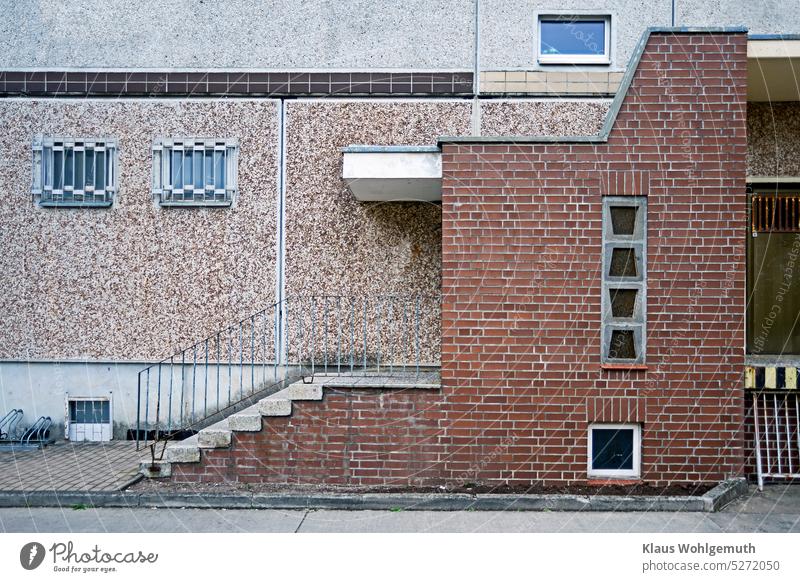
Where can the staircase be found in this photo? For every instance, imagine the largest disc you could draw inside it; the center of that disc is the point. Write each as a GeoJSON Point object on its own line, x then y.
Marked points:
{"type": "Point", "coordinates": [256, 368]}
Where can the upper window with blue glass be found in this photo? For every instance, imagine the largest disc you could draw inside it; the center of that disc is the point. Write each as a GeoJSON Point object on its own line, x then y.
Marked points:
{"type": "Point", "coordinates": [567, 39]}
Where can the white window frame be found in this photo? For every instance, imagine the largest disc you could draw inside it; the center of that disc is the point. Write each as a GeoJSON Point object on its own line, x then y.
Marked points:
{"type": "Point", "coordinates": [548, 59]}
{"type": "Point", "coordinates": [209, 195]}
{"type": "Point", "coordinates": [42, 186]}
{"type": "Point", "coordinates": [636, 470]}
{"type": "Point", "coordinates": [97, 432]}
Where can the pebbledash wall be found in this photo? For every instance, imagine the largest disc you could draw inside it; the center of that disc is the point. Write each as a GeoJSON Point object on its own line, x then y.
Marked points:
{"type": "Point", "coordinates": [521, 370]}
{"type": "Point", "coordinates": [91, 296]}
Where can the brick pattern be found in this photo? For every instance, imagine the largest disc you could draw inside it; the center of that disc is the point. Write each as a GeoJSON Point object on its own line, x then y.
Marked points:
{"type": "Point", "coordinates": [521, 276]}
{"type": "Point", "coordinates": [521, 376]}
{"type": "Point", "coordinates": [550, 82]}
{"type": "Point", "coordinates": [356, 437]}
{"type": "Point", "coordinates": [198, 84]}
{"type": "Point", "coordinates": [624, 183]}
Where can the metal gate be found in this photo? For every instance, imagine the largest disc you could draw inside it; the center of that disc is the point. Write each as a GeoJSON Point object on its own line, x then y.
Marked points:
{"type": "Point", "coordinates": [777, 438]}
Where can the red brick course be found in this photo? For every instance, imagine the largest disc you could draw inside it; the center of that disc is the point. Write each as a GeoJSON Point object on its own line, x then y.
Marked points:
{"type": "Point", "coordinates": [521, 261]}
{"type": "Point", "coordinates": [521, 307]}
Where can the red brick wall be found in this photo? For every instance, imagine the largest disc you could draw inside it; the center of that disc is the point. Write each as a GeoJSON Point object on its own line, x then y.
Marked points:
{"type": "Point", "coordinates": [521, 279]}
{"type": "Point", "coordinates": [521, 309]}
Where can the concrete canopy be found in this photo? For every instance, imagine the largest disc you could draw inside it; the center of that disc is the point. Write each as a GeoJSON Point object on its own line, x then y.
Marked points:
{"type": "Point", "coordinates": [393, 173]}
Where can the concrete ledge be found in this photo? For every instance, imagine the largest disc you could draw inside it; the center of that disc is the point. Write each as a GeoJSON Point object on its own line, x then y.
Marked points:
{"type": "Point", "coordinates": [724, 493]}
{"type": "Point", "coordinates": [712, 501]}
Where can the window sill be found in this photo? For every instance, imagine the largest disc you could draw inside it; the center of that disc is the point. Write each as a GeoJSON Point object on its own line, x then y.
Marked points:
{"type": "Point", "coordinates": [600, 481]}
{"type": "Point", "coordinates": [53, 204]}
{"type": "Point", "coordinates": [631, 367]}
{"type": "Point", "coordinates": [193, 204]}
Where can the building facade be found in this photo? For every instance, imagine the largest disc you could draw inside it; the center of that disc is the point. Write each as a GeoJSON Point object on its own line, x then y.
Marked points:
{"type": "Point", "coordinates": [569, 231]}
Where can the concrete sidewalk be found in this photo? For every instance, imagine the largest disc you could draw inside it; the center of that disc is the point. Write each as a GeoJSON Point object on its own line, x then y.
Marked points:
{"type": "Point", "coordinates": [777, 509]}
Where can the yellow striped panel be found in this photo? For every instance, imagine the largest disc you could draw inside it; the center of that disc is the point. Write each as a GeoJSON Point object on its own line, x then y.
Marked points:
{"type": "Point", "coordinates": [749, 377]}
{"type": "Point", "coordinates": [770, 380]}
{"type": "Point", "coordinates": [791, 378]}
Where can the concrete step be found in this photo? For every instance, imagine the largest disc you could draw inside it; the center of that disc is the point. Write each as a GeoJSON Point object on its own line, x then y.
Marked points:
{"type": "Point", "coordinates": [247, 420]}
{"type": "Point", "coordinates": [301, 391]}
{"type": "Point", "coordinates": [185, 451]}
{"type": "Point", "coordinates": [278, 404]}
{"type": "Point", "coordinates": [216, 436]}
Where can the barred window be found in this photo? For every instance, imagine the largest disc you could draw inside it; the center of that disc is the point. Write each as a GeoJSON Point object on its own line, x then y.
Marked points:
{"type": "Point", "coordinates": [624, 302]}
{"type": "Point", "coordinates": [73, 172]}
{"type": "Point", "coordinates": [194, 172]}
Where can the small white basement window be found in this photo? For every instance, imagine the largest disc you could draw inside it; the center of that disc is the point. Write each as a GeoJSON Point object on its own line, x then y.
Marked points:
{"type": "Point", "coordinates": [195, 171]}
{"type": "Point", "coordinates": [74, 172]}
{"type": "Point", "coordinates": [614, 450]}
{"type": "Point", "coordinates": [88, 419]}
{"type": "Point", "coordinates": [570, 39]}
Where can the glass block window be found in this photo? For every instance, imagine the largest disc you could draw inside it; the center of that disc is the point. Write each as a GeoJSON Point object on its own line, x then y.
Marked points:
{"type": "Point", "coordinates": [624, 285]}
{"type": "Point", "coordinates": [74, 172]}
{"type": "Point", "coordinates": [194, 172]}
{"type": "Point", "coordinates": [614, 450]}
{"type": "Point", "coordinates": [571, 39]}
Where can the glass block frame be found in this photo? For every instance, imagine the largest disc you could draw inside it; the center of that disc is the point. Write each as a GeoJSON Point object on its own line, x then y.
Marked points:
{"type": "Point", "coordinates": [195, 171]}
{"type": "Point", "coordinates": [636, 240]}
{"type": "Point", "coordinates": [71, 172]}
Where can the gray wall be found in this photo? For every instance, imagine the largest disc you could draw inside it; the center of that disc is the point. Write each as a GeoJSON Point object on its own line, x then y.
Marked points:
{"type": "Point", "coordinates": [317, 34]}
{"type": "Point", "coordinates": [761, 17]}
{"type": "Point", "coordinates": [508, 28]}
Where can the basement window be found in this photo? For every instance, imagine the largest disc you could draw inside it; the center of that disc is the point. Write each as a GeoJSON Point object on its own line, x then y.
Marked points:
{"type": "Point", "coordinates": [88, 419]}
{"type": "Point", "coordinates": [571, 39]}
{"type": "Point", "coordinates": [74, 172]}
{"type": "Point", "coordinates": [623, 299]}
{"type": "Point", "coordinates": [195, 172]}
{"type": "Point", "coordinates": [614, 450]}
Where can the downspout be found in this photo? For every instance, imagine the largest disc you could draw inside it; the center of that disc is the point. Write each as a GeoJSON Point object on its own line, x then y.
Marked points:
{"type": "Point", "coordinates": [673, 12]}
{"type": "Point", "coordinates": [476, 82]}
{"type": "Point", "coordinates": [280, 257]}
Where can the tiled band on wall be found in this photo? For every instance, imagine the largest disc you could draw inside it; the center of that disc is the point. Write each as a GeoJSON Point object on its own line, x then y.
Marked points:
{"type": "Point", "coordinates": [92, 83]}
{"type": "Point", "coordinates": [770, 377]}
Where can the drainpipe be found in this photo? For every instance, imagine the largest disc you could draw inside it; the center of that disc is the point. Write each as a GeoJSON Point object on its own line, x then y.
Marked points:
{"type": "Point", "coordinates": [280, 258]}
{"type": "Point", "coordinates": [476, 82]}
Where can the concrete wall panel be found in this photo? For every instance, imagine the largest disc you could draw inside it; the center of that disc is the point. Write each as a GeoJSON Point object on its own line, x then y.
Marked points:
{"type": "Point", "coordinates": [773, 139]}
{"type": "Point", "coordinates": [136, 281]}
{"type": "Point", "coordinates": [318, 34]}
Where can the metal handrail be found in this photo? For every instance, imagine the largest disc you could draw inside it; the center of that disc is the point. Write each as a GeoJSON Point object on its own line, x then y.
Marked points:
{"type": "Point", "coordinates": [299, 336]}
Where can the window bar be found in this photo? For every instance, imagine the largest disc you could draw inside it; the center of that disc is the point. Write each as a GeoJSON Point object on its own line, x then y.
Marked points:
{"type": "Point", "coordinates": [758, 443]}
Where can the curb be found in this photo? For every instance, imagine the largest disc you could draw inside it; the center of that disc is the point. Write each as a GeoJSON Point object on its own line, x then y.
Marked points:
{"type": "Point", "coordinates": [714, 500]}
